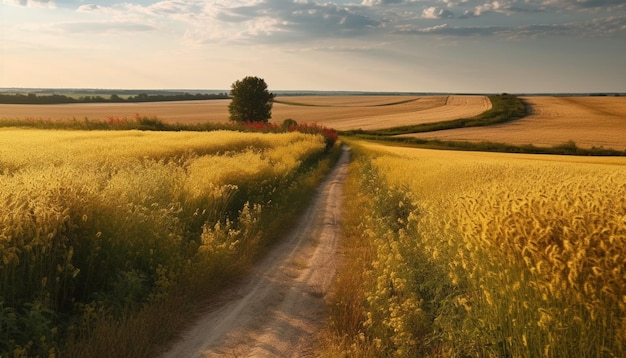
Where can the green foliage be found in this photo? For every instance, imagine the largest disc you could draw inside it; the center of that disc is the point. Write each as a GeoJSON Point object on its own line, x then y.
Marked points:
{"type": "Point", "coordinates": [33, 98]}
{"type": "Point", "coordinates": [251, 101]}
{"type": "Point", "coordinates": [289, 123]}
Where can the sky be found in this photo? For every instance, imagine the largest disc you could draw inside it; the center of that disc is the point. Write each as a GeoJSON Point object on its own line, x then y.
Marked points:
{"type": "Point", "coordinates": [454, 46]}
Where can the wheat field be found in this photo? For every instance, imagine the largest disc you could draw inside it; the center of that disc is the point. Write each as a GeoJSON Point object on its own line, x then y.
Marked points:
{"type": "Point", "coordinates": [95, 224]}
{"type": "Point", "coordinates": [486, 255]}
{"type": "Point", "coordinates": [338, 112]}
{"type": "Point", "coordinates": [588, 121]}
{"type": "Point", "coordinates": [176, 111]}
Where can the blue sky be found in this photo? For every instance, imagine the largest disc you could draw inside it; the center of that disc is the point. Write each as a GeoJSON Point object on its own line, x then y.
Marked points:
{"type": "Point", "coordinates": [486, 46]}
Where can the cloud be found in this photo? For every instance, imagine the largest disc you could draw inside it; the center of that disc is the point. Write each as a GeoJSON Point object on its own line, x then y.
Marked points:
{"type": "Point", "coordinates": [435, 13]}
{"type": "Point", "coordinates": [103, 27]}
{"type": "Point", "coordinates": [607, 5]}
{"type": "Point", "coordinates": [31, 3]}
{"type": "Point", "coordinates": [543, 5]}
{"type": "Point", "coordinates": [595, 28]}
{"type": "Point", "coordinates": [303, 22]}
{"type": "Point", "coordinates": [477, 8]}
{"type": "Point", "coordinates": [497, 7]}
{"type": "Point", "coordinates": [380, 2]}
{"type": "Point", "coordinates": [368, 47]}
{"type": "Point", "coordinates": [294, 20]}
{"type": "Point", "coordinates": [90, 8]}
{"type": "Point", "coordinates": [447, 30]}
{"type": "Point", "coordinates": [600, 27]}
{"type": "Point", "coordinates": [174, 7]}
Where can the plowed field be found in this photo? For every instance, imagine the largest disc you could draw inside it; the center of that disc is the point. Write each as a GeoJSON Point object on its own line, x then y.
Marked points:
{"type": "Point", "coordinates": [588, 121]}
{"type": "Point", "coordinates": [339, 112]}
{"type": "Point", "coordinates": [371, 112]}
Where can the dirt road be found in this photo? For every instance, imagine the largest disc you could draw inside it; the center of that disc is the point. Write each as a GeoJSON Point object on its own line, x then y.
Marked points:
{"type": "Point", "coordinates": [277, 310]}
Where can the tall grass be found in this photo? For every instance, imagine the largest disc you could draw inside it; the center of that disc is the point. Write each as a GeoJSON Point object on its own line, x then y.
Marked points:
{"type": "Point", "coordinates": [376, 306]}
{"type": "Point", "coordinates": [496, 256]}
{"type": "Point", "coordinates": [107, 237]}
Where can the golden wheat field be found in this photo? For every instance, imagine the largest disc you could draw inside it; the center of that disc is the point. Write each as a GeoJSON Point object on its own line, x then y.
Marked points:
{"type": "Point", "coordinates": [338, 112]}
{"type": "Point", "coordinates": [85, 213]}
{"type": "Point", "coordinates": [588, 121]}
{"type": "Point", "coordinates": [533, 248]}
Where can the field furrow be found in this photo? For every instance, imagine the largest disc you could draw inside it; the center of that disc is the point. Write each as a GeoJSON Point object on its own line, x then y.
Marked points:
{"type": "Point", "coordinates": [338, 112]}
{"type": "Point", "coordinates": [588, 121]}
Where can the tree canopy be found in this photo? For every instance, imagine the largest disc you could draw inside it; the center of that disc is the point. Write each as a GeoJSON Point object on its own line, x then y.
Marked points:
{"type": "Point", "coordinates": [33, 98]}
{"type": "Point", "coordinates": [251, 101]}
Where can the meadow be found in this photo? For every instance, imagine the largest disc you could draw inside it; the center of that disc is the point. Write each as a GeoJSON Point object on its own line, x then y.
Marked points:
{"type": "Point", "coordinates": [465, 254]}
{"type": "Point", "coordinates": [109, 237]}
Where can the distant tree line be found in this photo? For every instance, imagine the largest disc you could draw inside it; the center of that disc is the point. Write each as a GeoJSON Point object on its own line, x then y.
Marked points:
{"type": "Point", "coordinates": [32, 98]}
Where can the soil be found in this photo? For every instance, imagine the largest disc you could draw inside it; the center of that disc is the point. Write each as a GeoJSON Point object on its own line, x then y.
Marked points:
{"type": "Point", "coordinates": [278, 309]}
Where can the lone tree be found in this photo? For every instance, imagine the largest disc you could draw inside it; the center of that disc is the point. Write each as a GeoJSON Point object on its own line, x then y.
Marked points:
{"type": "Point", "coordinates": [251, 101]}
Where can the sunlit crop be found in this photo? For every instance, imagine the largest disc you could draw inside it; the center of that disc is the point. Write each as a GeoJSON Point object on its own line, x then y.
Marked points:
{"type": "Point", "coordinates": [100, 222]}
{"type": "Point", "coordinates": [503, 255]}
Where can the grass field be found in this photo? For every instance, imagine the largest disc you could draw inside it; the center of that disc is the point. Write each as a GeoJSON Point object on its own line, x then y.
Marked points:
{"type": "Point", "coordinates": [588, 121]}
{"type": "Point", "coordinates": [338, 112]}
{"type": "Point", "coordinates": [454, 254]}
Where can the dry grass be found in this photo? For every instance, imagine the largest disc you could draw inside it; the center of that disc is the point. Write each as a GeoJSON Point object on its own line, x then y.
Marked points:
{"type": "Point", "coordinates": [339, 112]}
{"type": "Point", "coordinates": [588, 121]}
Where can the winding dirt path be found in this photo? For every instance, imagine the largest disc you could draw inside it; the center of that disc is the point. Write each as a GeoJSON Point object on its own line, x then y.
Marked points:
{"type": "Point", "coordinates": [277, 310]}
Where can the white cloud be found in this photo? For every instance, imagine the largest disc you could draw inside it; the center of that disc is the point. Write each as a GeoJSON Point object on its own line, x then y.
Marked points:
{"type": "Point", "coordinates": [302, 22]}
{"type": "Point", "coordinates": [31, 3]}
{"type": "Point", "coordinates": [380, 2]}
{"type": "Point", "coordinates": [92, 8]}
{"type": "Point", "coordinates": [435, 13]}
{"type": "Point", "coordinates": [600, 27]}
{"type": "Point", "coordinates": [103, 27]}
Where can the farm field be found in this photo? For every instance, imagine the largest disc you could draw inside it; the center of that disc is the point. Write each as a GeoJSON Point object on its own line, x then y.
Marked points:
{"type": "Point", "coordinates": [482, 254]}
{"type": "Point", "coordinates": [183, 111]}
{"type": "Point", "coordinates": [354, 112]}
{"type": "Point", "coordinates": [456, 253]}
{"type": "Point", "coordinates": [338, 112]}
{"type": "Point", "coordinates": [588, 121]}
{"type": "Point", "coordinates": [97, 224]}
